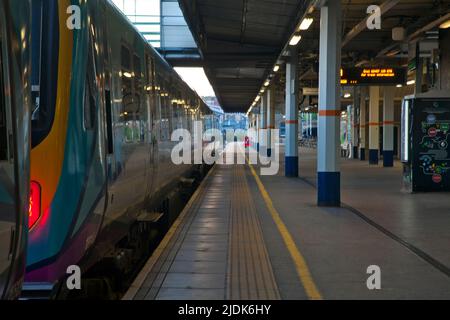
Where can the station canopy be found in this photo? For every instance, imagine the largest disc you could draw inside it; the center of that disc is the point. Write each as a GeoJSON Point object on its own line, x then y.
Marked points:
{"type": "Point", "coordinates": [241, 40]}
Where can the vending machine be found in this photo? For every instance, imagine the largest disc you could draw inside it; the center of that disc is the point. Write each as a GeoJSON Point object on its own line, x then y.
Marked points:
{"type": "Point", "coordinates": [425, 140]}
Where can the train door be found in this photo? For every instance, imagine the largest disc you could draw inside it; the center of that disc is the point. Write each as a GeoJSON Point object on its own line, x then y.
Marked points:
{"type": "Point", "coordinates": [107, 111]}
{"type": "Point", "coordinates": [152, 127]}
{"type": "Point", "coordinates": [94, 124]}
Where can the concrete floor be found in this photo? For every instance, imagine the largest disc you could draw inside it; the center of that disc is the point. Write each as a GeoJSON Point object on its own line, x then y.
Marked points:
{"type": "Point", "coordinates": [407, 236]}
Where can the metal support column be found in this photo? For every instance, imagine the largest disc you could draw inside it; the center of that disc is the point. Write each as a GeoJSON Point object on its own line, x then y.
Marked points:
{"type": "Point", "coordinates": [354, 122]}
{"type": "Point", "coordinates": [257, 123]}
{"type": "Point", "coordinates": [292, 116]}
{"type": "Point", "coordinates": [374, 125]}
{"type": "Point", "coordinates": [270, 118]}
{"type": "Point", "coordinates": [329, 180]}
{"type": "Point", "coordinates": [388, 127]}
{"type": "Point", "coordinates": [362, 124]}
{"type": "Point", "coordinates": [262, 127]}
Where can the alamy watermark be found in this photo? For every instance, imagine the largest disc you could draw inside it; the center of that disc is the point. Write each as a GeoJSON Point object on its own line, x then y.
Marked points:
{"type": "Point", "coordinates": [73, 281]}
{"type": "Point", "coordinates": [374, 20]}
{"type": "Point", "coordinates": [74, 20]}
{"type": "Point", "coordinates": [374, 280]}
{"type": "Point", "coordinates": [233, 147]}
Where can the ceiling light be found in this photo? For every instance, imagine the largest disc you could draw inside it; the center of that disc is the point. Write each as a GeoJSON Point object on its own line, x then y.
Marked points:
{"type": "Point", "coordinates": [347, 95]}
{"type": "Point", "coordinates": [445, 25]}
{"type": "Point", "coordinates": [295, 40]}
{"type": "Point", "coordinates": [411, 82]}
{"type": "Point", "coordinates": [266, 84]}
{"type": "Point", "coordinates": [399, 85]}
{"type": "Point", "coordinates": [276, 68]}
{"type": "Point", "coordinates": [306, 23]}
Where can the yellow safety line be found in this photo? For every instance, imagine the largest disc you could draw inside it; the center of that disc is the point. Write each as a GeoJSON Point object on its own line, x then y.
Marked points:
{"type": "Point", "coordinates": [300, 264]}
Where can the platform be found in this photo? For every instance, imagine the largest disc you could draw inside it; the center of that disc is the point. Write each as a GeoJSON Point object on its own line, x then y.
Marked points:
{"type": "Point", "coordinates": [215, 250]}
{"type": "Point", "coordinates": [244, 236]}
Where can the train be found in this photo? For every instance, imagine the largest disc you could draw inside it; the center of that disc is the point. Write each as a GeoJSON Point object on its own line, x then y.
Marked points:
{"type": "Point", "coordinates": [15, 139]}
{"type": "Point", "coordinates": [104, 104]}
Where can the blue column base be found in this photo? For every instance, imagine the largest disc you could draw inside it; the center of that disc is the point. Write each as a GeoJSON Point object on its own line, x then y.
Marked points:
{"type": "Point", "coordinates": [355, 152]}
{"type": "Point", "coordinates": [329, 189]}
{"type": "Point", "coordinates": [373, 157]}
{"type": "Point", "coordinates": [362, 154]}
{"type": "Point", "coordinates": [257, 147]}
{"type": "Point", "coordinates": [269, 152]}
{"type": "Point", "coordinates": [291, 167]}
{"type": "Point", "coordinates": [388, 158]}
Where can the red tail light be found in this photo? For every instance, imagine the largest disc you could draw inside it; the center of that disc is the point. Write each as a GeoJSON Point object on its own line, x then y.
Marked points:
{"type": "Point", "coordinates": [34, 209]}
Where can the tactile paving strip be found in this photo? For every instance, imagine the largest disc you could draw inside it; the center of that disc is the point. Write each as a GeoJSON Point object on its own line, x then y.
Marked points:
{"type": "Point", "coordinates": [250, 275]}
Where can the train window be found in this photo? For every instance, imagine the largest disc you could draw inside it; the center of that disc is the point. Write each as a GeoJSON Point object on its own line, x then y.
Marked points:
{"type": "Point", "coordinates": [137, 67]}
{"type": "Point", "coordinates": [137, 99]}
{"type": "Point", "coordinates": [90, 106]}
{"type": "Point", "coordinates": [3, 125]}
{"type": "Point", "coordinates": [165, 112]}
{"type": "Point", "coordinates": [127, 114]}
{"type": "Point", "coordinates": [175, 116]}
{"type": "Point", "coordinates": [126, 58]}
{"type": "Point", "coordinates": [45, 59]}
{"type": "Point", "coordinates": [148, 66]}
{"type": "Point", "coordinates": [109, 130]}
{"type": "Point", "coordinates": [134, 128]}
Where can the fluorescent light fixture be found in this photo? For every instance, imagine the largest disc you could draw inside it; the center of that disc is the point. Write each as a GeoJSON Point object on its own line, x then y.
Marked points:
{"type": "Point", "coordinates": [127, 75]}
{"type": "Point", "coordinates": [295, 40]}
{"type": "Point", "coordinates": [306, 23]}
{"type": "Point", "coordinates": [257, 98]}
{"type": "Point", "coordinates": [399, 85]}
{"type": "Point", "coordinates": [445, 25]}
{"type": "Point", "coordinates": [347, 95]}
{"type": "Point", "coordinates": [276, 68]}
{"type": "Point", "coordinates": [266, 84]}
{"type": "Point", "coordinates": [411, 82]}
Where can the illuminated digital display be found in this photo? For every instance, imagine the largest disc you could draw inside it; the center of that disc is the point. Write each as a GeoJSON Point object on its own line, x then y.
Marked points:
{"type": "Point", "coordinates": [381, 76]}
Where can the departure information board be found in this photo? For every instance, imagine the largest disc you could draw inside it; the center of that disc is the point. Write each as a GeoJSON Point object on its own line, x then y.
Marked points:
{"type": "Point", "coordinates": [380, 76]}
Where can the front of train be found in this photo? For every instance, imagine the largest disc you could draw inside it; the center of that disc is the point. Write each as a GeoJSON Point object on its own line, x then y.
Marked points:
{"type": "Point", "coordinates": [67, 157]}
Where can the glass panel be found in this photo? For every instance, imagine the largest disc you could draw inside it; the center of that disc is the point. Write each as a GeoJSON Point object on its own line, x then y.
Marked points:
{"type": "Point", "coordinates": [45, 52]}
{"type": "Point", "coordinates": [149, 28]}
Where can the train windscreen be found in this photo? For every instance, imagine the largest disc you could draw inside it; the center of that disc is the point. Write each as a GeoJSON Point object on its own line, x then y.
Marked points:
{"type": "Point", "coordinates": [45, 50]}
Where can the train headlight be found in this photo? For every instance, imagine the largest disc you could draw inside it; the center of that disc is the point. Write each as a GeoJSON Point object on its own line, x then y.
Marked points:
{"type": "Point", "coordinates": [34, 208]}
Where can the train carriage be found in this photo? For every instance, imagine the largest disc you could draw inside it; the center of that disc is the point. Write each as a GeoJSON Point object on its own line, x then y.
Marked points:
{"type": "Point", "coordinates": [105, 104]}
